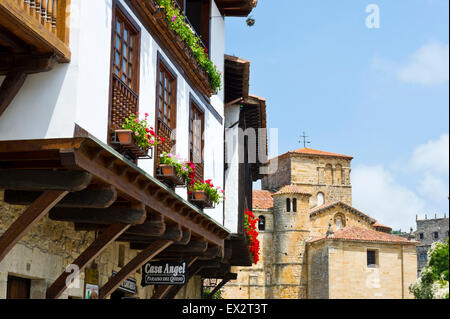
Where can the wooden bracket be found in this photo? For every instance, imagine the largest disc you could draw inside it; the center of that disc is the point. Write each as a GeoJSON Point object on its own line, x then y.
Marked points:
{"type": "Point", "coordinates": [33, 214]}
{"type": "Point", "coordinates": [95, 249]}
{"type": "Point", "coordinates": [111, 215]}
{"type": "Point", "coordinates": [143, 257]}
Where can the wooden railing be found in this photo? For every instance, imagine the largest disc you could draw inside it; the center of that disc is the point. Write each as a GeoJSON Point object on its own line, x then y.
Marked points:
{"type": "Point", "coordinates": [52, 14]}
{"type": "Point", "coordinates": [124, 102]}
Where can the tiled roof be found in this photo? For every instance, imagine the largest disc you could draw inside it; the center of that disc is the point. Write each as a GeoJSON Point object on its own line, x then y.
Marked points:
{"type": "Point", "coordinates": [310, 151]}
{"type": "Point", "coordinates": [377, 224]}
{"type": "Point", "coordinates": [292, 189]}
{"type": "Point", "coordinates": [365, 235]}
{"type": "Point", "coordinates": [318, 209]}
{"type": "Point", "coordinates": [262, 200]}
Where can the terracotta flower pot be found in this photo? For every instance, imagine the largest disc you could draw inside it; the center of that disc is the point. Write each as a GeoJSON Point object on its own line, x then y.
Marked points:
{"type": "Point", "coordinates": [124, 136]}
{"type": "Point", "coordinates": [199, 195]}
{"type": "Point", "coordinates": [167, 170]}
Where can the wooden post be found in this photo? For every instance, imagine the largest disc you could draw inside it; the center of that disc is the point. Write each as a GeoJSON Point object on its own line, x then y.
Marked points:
{"type": "Point", "coordinates": [28, 219]}
{"type": "Point", "coordinates": [95, 249]}
{"type": "Point", "coordinates": [137, 262]}
{"type": "Point", "coordinates": [9, 89]}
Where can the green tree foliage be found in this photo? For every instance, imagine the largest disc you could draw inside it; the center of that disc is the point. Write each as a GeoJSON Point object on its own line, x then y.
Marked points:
{"type": "Point", "coordinates": [433, 280]}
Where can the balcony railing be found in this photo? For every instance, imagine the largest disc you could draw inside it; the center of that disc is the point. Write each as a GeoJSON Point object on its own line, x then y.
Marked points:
{"type": "Point", "coordinates": [44, 24]}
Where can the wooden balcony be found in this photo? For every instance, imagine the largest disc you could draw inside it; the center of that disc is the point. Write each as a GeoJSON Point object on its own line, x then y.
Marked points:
{"type": "Point", "coordinates": [35, 26]}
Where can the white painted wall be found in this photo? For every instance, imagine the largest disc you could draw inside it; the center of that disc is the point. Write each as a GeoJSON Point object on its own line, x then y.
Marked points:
{"type": "Point", "coordinates": [232, 173]}
{"type": "Point", "coordinates": [50, 104]}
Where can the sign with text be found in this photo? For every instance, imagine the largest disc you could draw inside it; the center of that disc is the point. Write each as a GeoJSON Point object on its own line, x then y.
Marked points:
{"type": "Point", "coordinates": [128, 285]}
{"type": "Point", "coordinates": [164, 273]}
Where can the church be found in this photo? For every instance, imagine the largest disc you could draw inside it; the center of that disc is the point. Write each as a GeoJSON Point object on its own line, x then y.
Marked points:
{"type": "Point", "coordinates": [314, 244]}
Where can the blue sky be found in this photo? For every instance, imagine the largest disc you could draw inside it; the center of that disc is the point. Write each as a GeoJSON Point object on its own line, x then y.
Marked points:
{"type": "Point", "coordinates": [380, 95]}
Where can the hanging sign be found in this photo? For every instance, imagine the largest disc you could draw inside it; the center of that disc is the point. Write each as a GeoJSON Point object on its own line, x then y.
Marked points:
{"type": "Point", "coordinates": [164, 273]}
{"type": "Point", "coordinates": [128, 285]}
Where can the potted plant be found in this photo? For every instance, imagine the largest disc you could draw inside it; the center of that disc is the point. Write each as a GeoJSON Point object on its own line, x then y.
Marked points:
{"type": "Point", "coordinates": [136, 138]}
{"type": "Point", "coordinates": [205, 195]}
{"type": "Point", "coordinates": [174, 171]}
{"type": "Point", "coordinates": [251, 235]}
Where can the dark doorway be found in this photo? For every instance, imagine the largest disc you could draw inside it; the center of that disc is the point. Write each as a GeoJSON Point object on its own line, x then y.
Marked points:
{"type": "Point", "coordinates": [18, 288]}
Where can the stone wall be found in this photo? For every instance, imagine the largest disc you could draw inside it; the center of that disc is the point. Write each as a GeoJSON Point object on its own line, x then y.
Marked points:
{"type": "Point", "coordinates": [349, 277]}
{"type": "Point", "coordinates": [50, 246]}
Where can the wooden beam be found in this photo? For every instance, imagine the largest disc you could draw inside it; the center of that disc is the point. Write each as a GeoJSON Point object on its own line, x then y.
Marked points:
{"type": "Point", "coordinates": [198, 246]}
{"type": "Point", "coordinates": [143, 257]}
{"type": "Point", "coordinates": [222, 283]}
{"type": "Point", "coordinates": [44, 180]}
{"type": "Point", "coordinates": [111, 215]}
{"type": "Point", "coordinates": [152, 228]}
{"type": "Point", "coordinates": [173, 233]}
{"type": "Point", "coordinates": [87, 198]}
{"type": "Point", "coordinates": [11, 85]}
{"type": "Point", "coordinates": [28, 219]}
{"type": "Point", "coordinates": [95, 249]}
{"type": "Point", "coordinates": [26, 63]}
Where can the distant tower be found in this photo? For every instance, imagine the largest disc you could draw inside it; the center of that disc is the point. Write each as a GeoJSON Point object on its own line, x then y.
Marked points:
{"type": "Point", "coordinates": [291, 228]}
{"type": "Point", "coordinates": [326, 176]}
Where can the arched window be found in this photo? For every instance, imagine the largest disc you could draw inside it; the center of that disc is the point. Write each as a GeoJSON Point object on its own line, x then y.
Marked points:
{"type": "Point", "coordinates": [338, 175]}
{"type": "Point", "coordinates": [320, 199]}
{"type": "Point", "coordinates": [294, 205]}
{"type": "Point", "coordinates": [262, 223]}
{"type": "Point", "coordinates": [339, 220]}
{"type": "Point", "coordinates": [288, 205]}
{"type": "Point", "coordinates": [329, 174]}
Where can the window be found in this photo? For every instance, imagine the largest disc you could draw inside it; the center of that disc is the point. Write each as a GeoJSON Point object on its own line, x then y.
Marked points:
{"type": "Point", "coordinates": [262, 223]}
{"type": "Point", "coordinates": [166, 107]}
{"type": "Point", "coordinates": [339, 220]}
{"type": "Point", "coordinates": [320, 199]}
{"type": "Point", "coordinates": [288, 205]}
{"type": "Point", "coordinates": [421, 236]}
{"type": "Point", "coordinates": [196, 127]}
{"type": "Point", "coordinates": [125, 51]}
{"type": "Point", "coordinates": [436, 235]}
{"type": "Point", "coordinates": [338, 223]}
{"type": "Point", "coordinates": [423, 257]}
{"type": "Point", "coordinates": [372, 258]}
{"type": "Point", "coordinates": [294, 205]}
{"type": "Point", "coordinates": [198, 13]}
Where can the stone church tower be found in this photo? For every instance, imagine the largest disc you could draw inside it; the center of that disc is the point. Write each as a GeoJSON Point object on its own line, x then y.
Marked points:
{"type": "Point", "coordinates": [314, 244]}
{"type": "Point", "coordinates": [326, 176]}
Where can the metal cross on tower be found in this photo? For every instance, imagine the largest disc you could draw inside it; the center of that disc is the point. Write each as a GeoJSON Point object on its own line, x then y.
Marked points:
{"type": "Point", "coordinates": [304, 137]}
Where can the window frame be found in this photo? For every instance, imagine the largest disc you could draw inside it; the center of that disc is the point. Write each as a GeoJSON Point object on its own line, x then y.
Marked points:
{"type": "Point", "coordinates": [195, 106]}
{"type": "Point", "coordinates": [261, 223]}
{"type": "Point", "coordinates": [118, 10]}
{"type": "Point", "coordinates": [376, 257]}
{"type": "Point", "coordinates": [162, 64]}
{"type": "Point", "coordinates": [288, 205]}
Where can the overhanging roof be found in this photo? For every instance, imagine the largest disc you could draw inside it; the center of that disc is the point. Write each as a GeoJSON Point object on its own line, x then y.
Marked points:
{"type": "Point", "coordinates": [237, 77]}
{"type": "Point", "coordinates": [236, 8]}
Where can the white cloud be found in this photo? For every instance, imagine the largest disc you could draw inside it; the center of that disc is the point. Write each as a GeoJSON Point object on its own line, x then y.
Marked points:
{"type": "Point", "coordinates": [434, 188]}
{"type": "Point", "coordinates": [376, 193]}
{"type": "Point", "coordinates": [433, 156]}
{"type": "Point", "coordinates": [428, 65]}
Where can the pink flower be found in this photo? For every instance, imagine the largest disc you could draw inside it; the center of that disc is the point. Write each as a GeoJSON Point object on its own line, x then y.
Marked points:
{"type": "Point", "coordinates": [136, 133]}
{"type": "Point", "coordinates": [146, 114]}
{"type": "Point", "coordinates": [169, 155]}
{"type": "Point", "coordinates": [174, 18]}
{"type": "Point", "coordinates": [136, 120]}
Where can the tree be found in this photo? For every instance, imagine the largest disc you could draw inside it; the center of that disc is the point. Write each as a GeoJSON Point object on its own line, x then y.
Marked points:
{"type": "Point", "coordinates": [433, 280]}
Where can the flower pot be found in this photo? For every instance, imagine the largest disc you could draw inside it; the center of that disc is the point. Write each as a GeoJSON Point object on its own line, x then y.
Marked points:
{"type": "Point", "coordinates": [201, 199]}
{"type": "Point", "coordinates": [125, 143]}
{"type": "Point", "coordinates": [168, 175]}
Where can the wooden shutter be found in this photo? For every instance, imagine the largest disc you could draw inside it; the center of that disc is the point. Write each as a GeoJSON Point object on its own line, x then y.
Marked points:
{"type": "Point", "coordinates": [196, 128]}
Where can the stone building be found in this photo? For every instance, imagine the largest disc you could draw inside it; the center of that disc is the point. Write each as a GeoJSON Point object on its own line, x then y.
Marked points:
{"type": "Point", "coordinates": [314, 244]}
{"type": "Point", "coordinates": [429, 231]}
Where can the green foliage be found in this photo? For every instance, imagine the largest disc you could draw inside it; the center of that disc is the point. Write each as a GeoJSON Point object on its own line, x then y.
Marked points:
{"type": "Point", "coordinates": [217, 295]}
{"type": "Point", "coordinates": [144, 134]}
{"type": "Point", "coordinates": [433, 280]}
{"type": "Point", "coordinates": [183, 168]}
{"type": "Point", "coordinates": [215, 194]}
{"type": "Point", "coordinates": [176, 22]}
